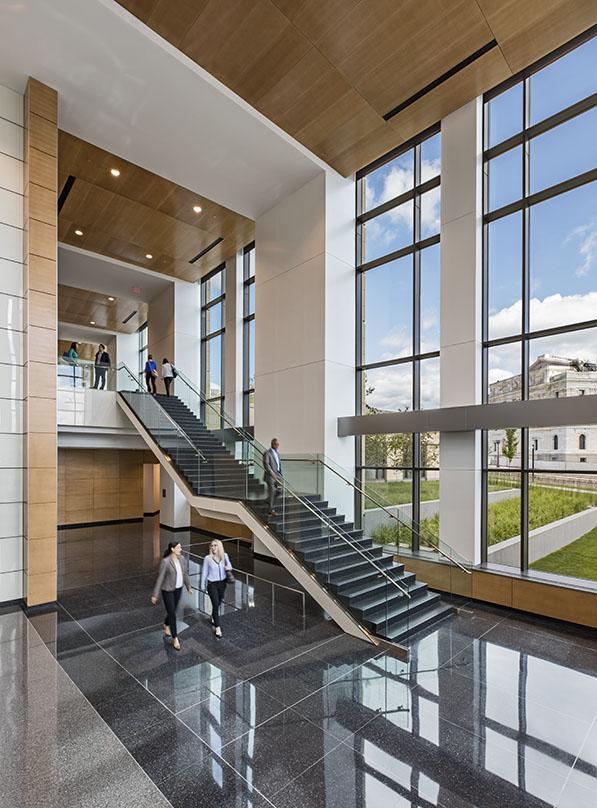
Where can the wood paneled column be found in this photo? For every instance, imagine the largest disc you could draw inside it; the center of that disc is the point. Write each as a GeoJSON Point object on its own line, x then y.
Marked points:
{"type": "Point", "coordinates": [41, 289]}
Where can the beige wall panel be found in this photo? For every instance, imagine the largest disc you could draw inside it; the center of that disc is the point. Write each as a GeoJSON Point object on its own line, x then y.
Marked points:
{"type": "Point", "coordinates": [41, 415]}
{"type": "Point", "coordinates": [42, 310]}
{"type": "Point", "coordinates": [42, 205]}
{"type": "Point", "coordinates": [41, 555]}
{"type": "Point", "coordinates": [41, 520]}
{"type": "Point", "coordinates": [42, 169]}
{"type": "Point", "coordinates": [41, 486]}
{"type": "Point", "coordinates": [42, 379]}
{"type": "Point", "coordinates": [41, 345]}
{"type": "Point", "coordinates": [43, 135]}
{"type": "Point", "coordinates": [42, 274]}
{"type": "Point", "coordinates": [42, 239]}
{"type": "Point", "coordinates": [41, 451]}
{"type": "Point", "coordinates": [42, 100]}
{"type": "Point", "coordinates": [555, 601]}
{"type": "Point", "coordinates": [41, 588]}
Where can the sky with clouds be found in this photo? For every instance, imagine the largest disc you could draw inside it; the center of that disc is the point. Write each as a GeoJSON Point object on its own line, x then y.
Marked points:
{"type": "Point", "coordinates": [562, 250]}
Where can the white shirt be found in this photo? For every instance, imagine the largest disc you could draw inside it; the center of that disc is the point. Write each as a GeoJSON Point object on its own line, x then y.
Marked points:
{"type": "Point", "coordinates": [178, 568]}
{"type": "Point", "coordinates": [277, 457]}
{"type": "Point", "coordinates": [167, 371]}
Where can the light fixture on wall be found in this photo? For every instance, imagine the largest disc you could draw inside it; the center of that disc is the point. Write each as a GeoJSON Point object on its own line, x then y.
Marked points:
{"type": "Point", "coordinates": [115, 172]}
{"type": "Point", "coordinates": [149, 255]}
{"type": "Point", "coordinates": [92, 322]}
{"type": "Point", "coordinates": [111, 299]}
{"type": "Point", "coordinates": [197, 208]}
{"type": "Point", "coordinates": [78, 232]}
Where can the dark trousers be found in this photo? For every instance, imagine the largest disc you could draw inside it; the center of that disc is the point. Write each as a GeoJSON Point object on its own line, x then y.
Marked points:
{"type": "Point", "coordinates": [171, 603]}
{"type": "Point", "coordinates": [100, 378]}
{"type": "Point", "coordinates": [273, 489]}
{"type": "Point", "coordinates": [150, 382]}
{"type": "Point", "coordinates": [167, 382]}
{"type": "Point", "coordinates": [216, 591]}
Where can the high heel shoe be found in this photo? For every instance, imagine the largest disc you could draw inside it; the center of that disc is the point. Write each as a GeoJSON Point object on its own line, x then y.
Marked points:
{"type": "Point", "coordinates": [218, 631]}
{"type": "Point", "coordinates": [167, 631]}
{"type": "Point", "coordinates": [176, 644]}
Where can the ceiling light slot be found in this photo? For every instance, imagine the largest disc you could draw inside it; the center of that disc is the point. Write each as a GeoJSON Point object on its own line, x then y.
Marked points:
{"type": "Point", "coordinates": [206, 250]}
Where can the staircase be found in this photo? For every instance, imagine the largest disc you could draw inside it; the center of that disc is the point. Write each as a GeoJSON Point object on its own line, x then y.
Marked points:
{"type": "Point", "coordinates": [349, 565]}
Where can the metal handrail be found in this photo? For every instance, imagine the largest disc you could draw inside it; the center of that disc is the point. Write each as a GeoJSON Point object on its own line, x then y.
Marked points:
{"type": "Point", "coordinates": [322, 517]}
{"type": "Point", "coordinates": [334, 528]}
{"type": "Point", "coordinates": [231, 425]}
{"type": "Point", "coordinates": [178, 429]}
{"type": "Point", "coordinates": [252, 574]}
{"type": "Point", "coordinates": [390, 514]}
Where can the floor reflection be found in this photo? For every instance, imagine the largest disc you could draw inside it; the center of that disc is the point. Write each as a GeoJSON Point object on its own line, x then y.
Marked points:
{"type": "Point", "coordinates": [491, 710]}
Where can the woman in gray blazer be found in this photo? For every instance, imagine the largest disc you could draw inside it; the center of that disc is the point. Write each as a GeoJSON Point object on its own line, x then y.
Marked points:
{"type": "Point", "coordinates": [171, 577]}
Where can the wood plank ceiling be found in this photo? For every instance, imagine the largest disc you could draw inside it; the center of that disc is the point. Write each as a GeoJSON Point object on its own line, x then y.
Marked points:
{"type": "Point", "coordinates": [96, 310]}
{"type": "Point", "coordinates": [139, 213]}
{"type": "Point", "coordinates": [327, 71]}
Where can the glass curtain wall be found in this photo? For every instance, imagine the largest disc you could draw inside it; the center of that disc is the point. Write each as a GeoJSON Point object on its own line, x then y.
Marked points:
{"type": "Point", "coordinates": [143, 331]}
{"type": "Point", "coordinates": [398, 338]}
{"type": "Point", "coordinates": [213, 318]}
{"type": "Point", "coordinates": [540, 313]}
{"type": "Point", "coordinates": [249, 335]}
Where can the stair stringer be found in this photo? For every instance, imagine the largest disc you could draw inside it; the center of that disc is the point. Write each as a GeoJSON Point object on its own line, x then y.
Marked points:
{"type": "Point", "coordinates": [211, 506]}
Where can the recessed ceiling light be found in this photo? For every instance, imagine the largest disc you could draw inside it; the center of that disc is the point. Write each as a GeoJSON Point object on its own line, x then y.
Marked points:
{"type": "Point", "coordinates": [78, 232]}
{"type": "Point", "coordinates": [197, 208]}
{"type": "Point", "coordinates": [115, 172]}
{"type": "Point", "coordinates": [149, 255]}
{"type": "Point", "coordinates": [111, 299]}
{"type": "Point", "coordinates": [92, 322]}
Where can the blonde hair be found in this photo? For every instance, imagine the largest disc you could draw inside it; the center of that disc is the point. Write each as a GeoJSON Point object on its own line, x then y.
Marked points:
{"type": "Point", "coordinates": [220, 551]}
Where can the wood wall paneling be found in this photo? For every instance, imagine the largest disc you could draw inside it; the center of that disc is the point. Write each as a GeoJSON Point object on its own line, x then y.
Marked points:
{"type": "Point", "coordinates": [40, 248]}
{"type": "Point", "coordinates": [327, 72]}
{"type": "Point", "coordinates": [99, 485]}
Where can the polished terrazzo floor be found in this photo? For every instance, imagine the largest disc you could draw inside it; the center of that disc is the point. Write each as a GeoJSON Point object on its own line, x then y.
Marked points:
{"type": "Point", "coordinates": [493, 710]}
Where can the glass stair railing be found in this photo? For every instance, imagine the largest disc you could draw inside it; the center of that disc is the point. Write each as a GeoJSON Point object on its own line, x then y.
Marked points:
{"type": "Point", "coordinates": [228, 463]}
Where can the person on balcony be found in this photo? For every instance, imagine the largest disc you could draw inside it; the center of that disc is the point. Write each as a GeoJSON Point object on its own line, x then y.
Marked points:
{"type": "Point", "coordinates": [72, 354]}
{"type": "Point", "coordinates": [272, 474]}
{"type": "Point", "coordinates": [102, 363]}
{"type": "Point", "coordinates": [172, 576]}
{"type": "Point", "coordinates": [151, 374]}
{"type": "Point", "coordinates": [215, 574]}
{"type": "Point", "coordinates": [168, 374]}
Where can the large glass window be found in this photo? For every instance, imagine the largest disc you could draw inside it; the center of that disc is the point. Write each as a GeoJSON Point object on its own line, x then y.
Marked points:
{"type": "Point", "coordinates": [213, 317]}
{"type": "Point", "coordinates": [398, 338]}
{"type": "Point", "coordinates": [540, 312]}
{"type": "Point", "coordinates": [249, 335]}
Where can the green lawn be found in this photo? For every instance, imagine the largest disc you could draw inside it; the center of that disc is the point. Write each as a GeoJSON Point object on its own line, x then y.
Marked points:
{"type": "Point", "coordinates": [578, 559]}
{"type": "Point", "coordinates": [400, 492]}
{"type": "Point", "coordinates": [546, 505]}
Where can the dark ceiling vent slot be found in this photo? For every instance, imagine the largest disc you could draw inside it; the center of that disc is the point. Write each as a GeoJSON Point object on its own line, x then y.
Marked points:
{"type": "Point", "coordinates": [132, 314]}
{"type": "Point", "coordinates": [66, 189]}
{"type": "Point", "coordinates": [206, 250]}
{"type": "Point", "coordinates": [440, 80]}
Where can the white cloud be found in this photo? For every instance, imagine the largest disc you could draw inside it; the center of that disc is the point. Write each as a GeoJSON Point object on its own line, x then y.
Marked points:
{"type": "Point", "coordinates": [553, 310]}
{"type": "Point", "coordinates": [380, 232]}
{"type": "Point", "coordinates": [587, 249]}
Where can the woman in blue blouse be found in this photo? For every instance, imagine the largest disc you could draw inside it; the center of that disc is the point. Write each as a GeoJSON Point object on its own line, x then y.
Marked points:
{"type": "Point", "coordinates": [151, 372]}
{"type": "Point", "coordinates": [216, 565]}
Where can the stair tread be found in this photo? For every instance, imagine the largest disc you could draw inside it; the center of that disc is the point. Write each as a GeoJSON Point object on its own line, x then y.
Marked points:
{"type": "Point", "coordinates": [211, 470]}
